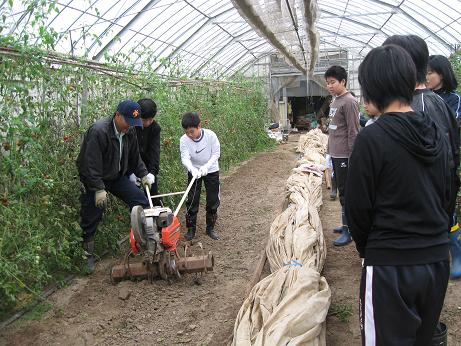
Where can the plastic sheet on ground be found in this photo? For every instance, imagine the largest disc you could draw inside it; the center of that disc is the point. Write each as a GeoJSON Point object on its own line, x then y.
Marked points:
{"type": "Point", "coordinates": [288, 307]}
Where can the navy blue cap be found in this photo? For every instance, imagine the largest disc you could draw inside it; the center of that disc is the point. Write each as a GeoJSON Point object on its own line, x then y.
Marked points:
{"type": "Point", "coordinates": [131, 111]}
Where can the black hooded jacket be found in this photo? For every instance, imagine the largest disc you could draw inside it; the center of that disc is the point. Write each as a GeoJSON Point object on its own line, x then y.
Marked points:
{"type": "Point", "coordinates": [149, 146]}
{"type": "Point", "coordinates": [440, 112]}
{"type": "Point", "coordinates": [398, 191]}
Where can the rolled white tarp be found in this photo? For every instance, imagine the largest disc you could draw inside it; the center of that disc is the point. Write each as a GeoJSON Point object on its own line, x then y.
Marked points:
{"type": "Point", "coordinates": [289, 307]}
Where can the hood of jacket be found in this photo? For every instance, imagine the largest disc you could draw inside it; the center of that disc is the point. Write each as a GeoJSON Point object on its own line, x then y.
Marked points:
{"type": "Point", "coordinates": [416, 132]}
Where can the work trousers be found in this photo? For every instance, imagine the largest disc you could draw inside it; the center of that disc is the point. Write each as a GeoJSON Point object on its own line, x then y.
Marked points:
{"type": "Point", "coordinates": [211, 181]}
{"type": "Point", "coordinates": [91, 215]}
{"type": "Point", "coordinates": [340, 167]}
{"type": "Point", "coordinates": [401, 305]}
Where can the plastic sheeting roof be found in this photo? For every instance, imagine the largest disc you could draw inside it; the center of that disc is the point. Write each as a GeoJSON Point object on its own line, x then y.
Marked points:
{"type": "Point", "coordinates": [210, 38]}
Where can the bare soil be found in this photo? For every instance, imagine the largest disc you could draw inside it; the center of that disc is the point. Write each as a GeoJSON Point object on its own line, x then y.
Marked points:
{"type": "Point", "coordinates": [90, 312]}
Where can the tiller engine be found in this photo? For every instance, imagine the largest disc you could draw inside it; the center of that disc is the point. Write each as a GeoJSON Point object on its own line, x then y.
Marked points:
{"type": "Point", "coordinates": [154, 237]}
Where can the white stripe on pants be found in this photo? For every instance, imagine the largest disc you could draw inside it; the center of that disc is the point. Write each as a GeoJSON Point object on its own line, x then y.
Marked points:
{"type": "Point", "coordinates": [369, 321]}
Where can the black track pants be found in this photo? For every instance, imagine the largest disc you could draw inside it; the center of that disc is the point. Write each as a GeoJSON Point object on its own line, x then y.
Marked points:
{"type": "Point", "coordinates": [401, 305]}
{"type": "Point", "coordinates": [340, 166]}
{"type": "Point", "coordinates": [211, 181]}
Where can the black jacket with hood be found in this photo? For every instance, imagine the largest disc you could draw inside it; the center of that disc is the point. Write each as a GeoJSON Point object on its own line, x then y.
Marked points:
{"type": "Point", "coordinates": [439, 111]}
{"type": "Point", "coordinates": [149, 146]}
{"type": "Point", "coordinates": [99, 156]}
{"type": "Point", "coordinates": [398, 191]}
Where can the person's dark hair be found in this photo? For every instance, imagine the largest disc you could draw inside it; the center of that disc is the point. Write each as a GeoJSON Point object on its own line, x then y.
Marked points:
{"type": "Point", "coordinates": [442, 66]}
{"type": "Point", "coordinates": [336, 72]}
{"type": "Point", "coordinates": [417, 48]}
{"type": "Point", "coordinates": [148, 108]}
{"type": "Point", "coordinates": [190, 119]}
{"type": "Point", "coordinates": [387, 74]}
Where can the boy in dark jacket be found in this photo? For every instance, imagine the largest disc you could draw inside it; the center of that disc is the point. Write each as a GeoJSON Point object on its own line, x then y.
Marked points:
{"type": "Point", "coordinates": [441, 79]}
{"type": "Point", "coordinates": [426, 100]}
{"type": "Point", "coordinates": [397, 204]}
{"type": "Point", "coordinates": [149, 143]}
{"type": "Point", "coordinates": [109, 150]}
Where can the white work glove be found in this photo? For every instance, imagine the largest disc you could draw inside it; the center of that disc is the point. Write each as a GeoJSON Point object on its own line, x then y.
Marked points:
{"type": "Point", "coordinates": [151, 178]}
{"type": "Point", "coordinates": [148, 180]}
{"type": "Point", "coordinates": [194, 172]}
{"type": "Point", "coordinates": [100, 199]}
{"type": "Point", "coordinates": [203, 171]}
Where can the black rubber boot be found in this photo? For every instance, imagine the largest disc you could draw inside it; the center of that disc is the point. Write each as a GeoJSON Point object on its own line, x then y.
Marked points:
{"type": "Point", "coordinates": [88, 246]}
{"type": "Point", "coordinates": [191, 221]}
{"type": "Point", "coordinates": [212, 234]}
{"type": "Point", "coordinates": [190, 233]}
{"type": "Point", "coordinates": [210, 223]}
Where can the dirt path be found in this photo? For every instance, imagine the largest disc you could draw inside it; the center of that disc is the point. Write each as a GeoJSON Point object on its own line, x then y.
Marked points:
{"type": "Point", "coordinates": [89, 312]}
{"type": "Point", "coordinates": [342, 271]}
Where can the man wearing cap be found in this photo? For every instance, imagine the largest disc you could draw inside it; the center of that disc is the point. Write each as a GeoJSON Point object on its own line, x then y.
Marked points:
{"type": "Point", "coordinates": [108, 151]}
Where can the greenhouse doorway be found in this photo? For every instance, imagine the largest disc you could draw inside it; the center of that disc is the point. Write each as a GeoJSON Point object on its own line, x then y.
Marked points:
{"type": "Point", "coordinates": [304, 112]}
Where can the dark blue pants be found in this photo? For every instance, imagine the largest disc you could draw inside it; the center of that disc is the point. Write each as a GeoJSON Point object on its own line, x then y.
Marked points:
{"type": "Point", "coordinates": [91, 215]}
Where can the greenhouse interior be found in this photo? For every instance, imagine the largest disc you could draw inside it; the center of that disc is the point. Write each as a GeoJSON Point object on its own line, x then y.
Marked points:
{"type": "Point", "coordinates": [254, 71]}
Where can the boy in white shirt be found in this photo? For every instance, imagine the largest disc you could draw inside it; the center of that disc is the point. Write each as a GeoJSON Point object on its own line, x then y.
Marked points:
{"type": "Point", "coordinates": [200, 151]}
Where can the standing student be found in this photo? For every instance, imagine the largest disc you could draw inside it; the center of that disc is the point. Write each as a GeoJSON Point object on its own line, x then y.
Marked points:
{"type": "Point", "coordinates": [343, 128]}
{"type": "Point", "coordinates": [441, 79]}
{"type": "Point", "coordinates": [426, 100]}
{"type": "Point", "coordinates": [372, 112]}
{"type": "Point", "coordinates": [397, 204]}
{"type": "Point", "coordinates": [200, 152]}
{"type": "Point", "coordinates": [149, 143]}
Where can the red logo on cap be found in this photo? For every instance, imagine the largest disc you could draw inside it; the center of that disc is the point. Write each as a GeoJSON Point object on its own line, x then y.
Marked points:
{"type": "Point", "coordinates": [135, 113]}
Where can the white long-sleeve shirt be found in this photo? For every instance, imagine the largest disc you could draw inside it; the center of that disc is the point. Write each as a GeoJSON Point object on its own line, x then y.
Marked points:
{"type": "Point", "coordinates": [204, 151]}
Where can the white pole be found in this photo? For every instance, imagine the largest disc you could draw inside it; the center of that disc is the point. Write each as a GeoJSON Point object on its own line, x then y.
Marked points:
{"type": "Point", "coordinates": [184, 197]}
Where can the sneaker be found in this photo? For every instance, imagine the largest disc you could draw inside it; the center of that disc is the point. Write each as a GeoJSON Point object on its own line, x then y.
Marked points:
{"type": "Point", "coordinates": [190, 234]}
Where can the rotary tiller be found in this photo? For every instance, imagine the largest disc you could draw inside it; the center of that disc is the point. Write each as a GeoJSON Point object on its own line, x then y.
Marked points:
{"type": "Point", "coordinates": [154, 236]}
